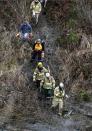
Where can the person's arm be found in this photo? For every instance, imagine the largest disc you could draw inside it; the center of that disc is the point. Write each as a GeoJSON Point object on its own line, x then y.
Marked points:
{"type": "Point", "coordinates": [30, 28]}
{"type": "Point", "coordinates": [56, 92]}
{"type": "Point", "coordinates": [42, 49]}
{"type": "Point", "coordinates": [63, 93]}
{"type": "Point", "coordinates": [45, 70]}
{"type": "Point", "coordinates": [43, 46]}
{"type": "Point", "coordinates": [31, 6]}
{"type": "Point", "coordinates": [30, 31]}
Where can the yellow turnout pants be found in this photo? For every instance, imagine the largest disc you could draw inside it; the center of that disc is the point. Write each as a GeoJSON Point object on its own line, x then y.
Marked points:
{"type": "Point", "coordinates": [56, 102]}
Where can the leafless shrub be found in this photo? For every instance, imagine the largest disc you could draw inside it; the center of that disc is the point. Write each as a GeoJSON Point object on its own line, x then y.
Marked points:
{"type": "Point", "coordinates": [77, 68]}
{"type": "Point", "coordinates": [14, 12]}
{"type": "Point", "coordinates": [84, 10]}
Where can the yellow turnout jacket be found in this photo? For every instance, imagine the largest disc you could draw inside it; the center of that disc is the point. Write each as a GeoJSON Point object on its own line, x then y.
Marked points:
{"type": "Point", "coordinates": [36, 7]}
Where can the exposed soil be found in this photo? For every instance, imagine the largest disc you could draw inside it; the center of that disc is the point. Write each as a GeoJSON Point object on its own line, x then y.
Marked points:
{"type": "Point", "coordinates": [20, 109]}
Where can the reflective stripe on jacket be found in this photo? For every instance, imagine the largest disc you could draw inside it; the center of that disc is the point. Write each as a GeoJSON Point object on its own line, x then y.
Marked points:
{"type": "Point", "coordinates": [39, 75]}
{"type": "Point", "coordinates": [48, 83]}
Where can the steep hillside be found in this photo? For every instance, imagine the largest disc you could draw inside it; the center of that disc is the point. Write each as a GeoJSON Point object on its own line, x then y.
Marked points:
{"type": "Point", "coordinates": [67, 32]}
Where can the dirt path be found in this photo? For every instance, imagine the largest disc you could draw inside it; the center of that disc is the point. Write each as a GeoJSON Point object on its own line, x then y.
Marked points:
{"type": "Point", "coordinates": [55, 123]}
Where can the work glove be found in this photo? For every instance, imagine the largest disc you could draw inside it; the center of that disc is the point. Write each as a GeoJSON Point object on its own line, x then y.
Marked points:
{"type": "Point", "coordinates": [18, 34]}
{"type": "Point", "coordinates": [34, 80]}
{"type": "Point", "coordinates": [31, 34]}
{"type": "Point", "coordinates": [66, 96]}
{"type": "Point", "coordinates": [33, 13]}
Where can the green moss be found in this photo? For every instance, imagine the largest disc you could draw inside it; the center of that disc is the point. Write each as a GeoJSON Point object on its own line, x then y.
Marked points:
{"type": "Point", "coordinates": [84, 96]}
{"type": "Point", "coordinates": [71, 23]}
{"type": "Point", "coordinates": [72, 37]}
{"type": "Point", "coordinates": [68, 40]}
{"type": "Point", "coordinates": [73, 11]}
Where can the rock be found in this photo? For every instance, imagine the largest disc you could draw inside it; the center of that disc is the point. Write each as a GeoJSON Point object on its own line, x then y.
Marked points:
{"type": "Point", "coordinates": [89, 128]}
{"type": "Point", "coordinates": [85, 109]}
{"type": "Point", "coordinates": [1, 101]}
{"type": "Point", "coordinates": [85, 42]}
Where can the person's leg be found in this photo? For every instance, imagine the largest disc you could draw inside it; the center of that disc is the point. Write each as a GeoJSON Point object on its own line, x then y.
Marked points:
{"type": "Point", "coordinates": [46, 93]}
{"type": "Point", "coordinates": [40, 56]}
{"type": "Point", "coordinates": [33, 13]}
{"type": "Point", "coordinates": [34, 54]}
{"type": "Point", "coordinates": [37, 17]}
{"type": "Point", "coordinates": [43, 93]}
{"type": "Point", "coordinates": [54, 103]}
{"type": "Point", "coordinates": [39, 90]}
{"type": "Point", "coordinates": [38, 84]}
{"type": "Point", "coordinates": [60, 106]}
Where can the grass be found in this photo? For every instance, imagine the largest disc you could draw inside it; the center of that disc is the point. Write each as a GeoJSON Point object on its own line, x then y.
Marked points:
{"type": "Point", "coordinates": [71, 23]}
{"type": "Point", "coordinates": [70, 40]}
{"type": "Point", "coordinates": [84, 96]}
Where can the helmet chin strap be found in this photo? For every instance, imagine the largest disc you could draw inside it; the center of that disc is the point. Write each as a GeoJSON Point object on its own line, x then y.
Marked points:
{"type": "Point", "coordinates": [60, 88]}
{"type": "Point", "coordinates": [36, 2]}
{"type": "Point", "coordinates": [40, 68]}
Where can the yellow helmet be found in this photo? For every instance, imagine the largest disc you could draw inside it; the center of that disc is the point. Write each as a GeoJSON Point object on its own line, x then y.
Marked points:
{"type": "Point", "coordinates": [40, 64]}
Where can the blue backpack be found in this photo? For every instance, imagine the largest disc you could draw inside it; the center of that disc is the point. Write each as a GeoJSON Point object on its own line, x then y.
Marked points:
{"type": "Point", "coordinates": [25, 28]}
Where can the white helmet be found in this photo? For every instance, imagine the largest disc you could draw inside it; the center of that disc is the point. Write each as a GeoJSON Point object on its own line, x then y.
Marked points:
{"type": "Point", "coordinates": [61, 85]}
{"type": "Point", "coordinates": [47, 74]}
{"type": "Point", "coordinates": [38, 41]}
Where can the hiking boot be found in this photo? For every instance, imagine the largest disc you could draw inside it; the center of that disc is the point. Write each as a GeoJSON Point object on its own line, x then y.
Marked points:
{"type": "Point", "coordinates": [60, 114]}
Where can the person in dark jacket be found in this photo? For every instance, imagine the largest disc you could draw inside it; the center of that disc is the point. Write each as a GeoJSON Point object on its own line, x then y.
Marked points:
{"type": "Point", "coordinates": [25, 31]}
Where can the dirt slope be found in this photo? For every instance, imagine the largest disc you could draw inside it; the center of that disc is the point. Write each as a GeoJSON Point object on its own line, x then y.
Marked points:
{"type": "Point", "coordinates": [19, 107]}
